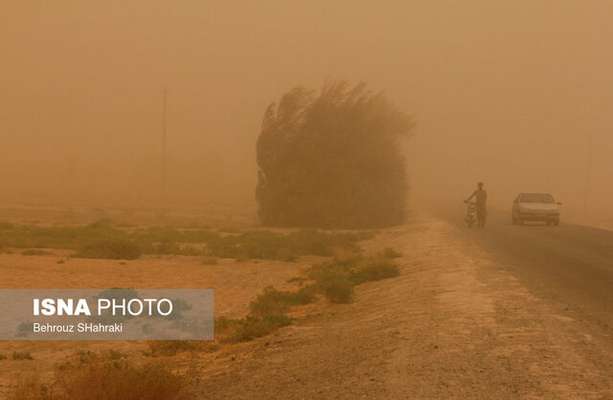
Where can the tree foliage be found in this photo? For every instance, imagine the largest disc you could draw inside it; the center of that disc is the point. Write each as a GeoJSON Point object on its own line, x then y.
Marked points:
{"type": "Point", "coordinates": [332, 159]}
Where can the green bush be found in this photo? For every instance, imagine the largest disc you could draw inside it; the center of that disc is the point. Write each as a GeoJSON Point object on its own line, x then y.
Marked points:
{"type": "Point", "coordinates": [304, 295]}
{"type": "Point", "coordinates": [107, 380]}
{"type": "Point", "coordinates": [36, 252]}
{"type": "Point", "coordinates": [251, 327]}
{"type": "Point", "coordinates": [112, 249]}
{"type": "Point", "coordinates": [374, 270]}
{"type": "Point", "coordinates": [171, 347]}
{"type": "Point", "coordinates": [210, 261]}
{"type": "Point", "coordinates": [285, 247]}
{"type": "Point", "coordinates": [86, 356]}
{"type": "Point", "coordinates": [57, 237]}
{"type": "Point", "coordinates": [224, 325]}
{"type": "Point", "coordinates": [333, 280]}
{"type": "Point", "coordinates": [388, 252]}
{"type": "Point", "coordinates": [273, 302]}
{"type": "Point", "coordinates": [338, 290]}
{"type": "Point", "coordinates": [22, 356]}
{"type": "Point", "coordinates": [5, 225]}
{"type": "Point", "coordinates": [103, 240]}
{"type": "Point", "coordinates": [267, 314]}
{"type": "Point", "coordinates": [116, 355]}
{"type": "Point", "coordinates": [336, 279]}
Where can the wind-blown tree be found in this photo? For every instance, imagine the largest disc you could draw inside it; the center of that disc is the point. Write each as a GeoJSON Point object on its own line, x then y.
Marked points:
{"type": "Point", "coordinates": [332, 159]}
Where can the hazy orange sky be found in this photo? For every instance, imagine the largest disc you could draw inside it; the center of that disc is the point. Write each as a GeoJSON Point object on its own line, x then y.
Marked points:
{"type": "Point", "coordinates": [505, 92]}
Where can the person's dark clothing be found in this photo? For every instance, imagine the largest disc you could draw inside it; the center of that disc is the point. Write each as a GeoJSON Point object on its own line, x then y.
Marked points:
{"type": "Point", "coordinates": [480, 197]}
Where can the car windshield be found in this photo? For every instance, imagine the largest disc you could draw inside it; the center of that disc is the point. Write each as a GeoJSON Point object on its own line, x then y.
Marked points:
{"type": "Point", "coordinates": [536, 198]}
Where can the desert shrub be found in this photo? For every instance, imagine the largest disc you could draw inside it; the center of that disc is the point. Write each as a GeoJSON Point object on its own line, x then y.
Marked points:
{"type": "Point", "coordinates": [338, 290]}
{"type": "Point", "coordinates": [109, 380]}
{"type": "Point", "coordinates": [22, 356]}
{"type": "Point", "coordinates": [58, 237]}
{"type": "Point", "coordinates": [251, 327]}
{"type": "Point", "coordinates": [332, 159]}
{"type": "Point", "coordinates": [270, 302]}
{"type": "Point", "coordinates": [172, 248]}
{"type": "Point", "coordinates": [286, 247]}
{"type": "Point", "coordinates": [35, 252]}
{"type": "Point", "coordinates": [163, 248]}
{"type": "Point", "coordinates": [171, 347]}
{"type": "Point", "coordinates": [389, 252]}
{"type": "Point", "coordinates": [190, 250]}
{"type": "Point", "coordinates": [30, 388]}
{"type": "Point", "coordinates": [257, 244]}
{"type": "Point", "coordinates": [224, 325]}
{"type": "Point", "coordinates": [273, 302]}
{"type": "Point", "coordinates": [305, 295]}
{"type": "Point", "coordinates": [103, 240]}
{"type": "Point", "coordinates": [5, 225]}
{"type": "Point", "coordinates": [321, 243]}
{"type": "Point", "coordinates": [336, 279]}
{"type": "Point", "coordinates": [210, 261]}
{"type": "Point", "coordinates": [374, 270]}
{"type": "Point", "coordinates": [112, 249]}
{"type": "Point", "coordinates": [159, 238]}
{"type": "Point", "coordinates": [24, 329]}
{"type": "Point", "coordinates": [267, 314]}
{"type": "Point", "coordinates": [116, 355]}
{"type": "Point", "coordinates": [86, 356]}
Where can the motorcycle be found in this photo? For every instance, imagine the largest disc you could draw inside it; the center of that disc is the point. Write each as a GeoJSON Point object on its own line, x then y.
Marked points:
{"type": "Point", "coordinates": [471, 213]}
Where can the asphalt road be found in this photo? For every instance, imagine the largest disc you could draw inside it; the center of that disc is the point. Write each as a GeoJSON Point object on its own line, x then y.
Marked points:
{"type": "Point", "coordinates": [571, 265]}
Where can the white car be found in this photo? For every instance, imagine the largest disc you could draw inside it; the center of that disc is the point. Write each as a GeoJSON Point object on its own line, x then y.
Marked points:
{"type": "Point", "coordinates": [536, 207]}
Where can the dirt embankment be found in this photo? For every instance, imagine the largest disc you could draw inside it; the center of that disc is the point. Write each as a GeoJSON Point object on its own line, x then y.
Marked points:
{"type": "Point", "coordinates": [454, 325]}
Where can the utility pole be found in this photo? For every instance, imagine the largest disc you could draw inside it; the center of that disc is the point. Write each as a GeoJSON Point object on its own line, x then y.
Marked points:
{"type": "Point", "coordinates": [588, 176]}
{"type": "Point", "coordinates": [165, 147]}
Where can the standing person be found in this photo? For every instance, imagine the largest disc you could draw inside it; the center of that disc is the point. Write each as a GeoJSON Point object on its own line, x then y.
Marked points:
{"type": "Point", "coordinates": [480, 196]}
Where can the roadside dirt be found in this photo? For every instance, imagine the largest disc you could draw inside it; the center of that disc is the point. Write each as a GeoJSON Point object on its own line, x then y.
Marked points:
{"type": "Point", "coordinates": [235, 284]}
{"type": "Point", "coordinates": [454, 325]}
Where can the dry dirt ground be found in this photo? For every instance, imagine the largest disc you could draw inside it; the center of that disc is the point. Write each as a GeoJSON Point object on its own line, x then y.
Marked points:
{"type": "Point", "coordinates": [235, 283]}
{"type": "Point", "coordinates": [454, 325]}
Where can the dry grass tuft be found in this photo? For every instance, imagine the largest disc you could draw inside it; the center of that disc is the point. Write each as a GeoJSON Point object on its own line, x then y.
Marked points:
{"type": "Point", "coordinates": [107, 380]}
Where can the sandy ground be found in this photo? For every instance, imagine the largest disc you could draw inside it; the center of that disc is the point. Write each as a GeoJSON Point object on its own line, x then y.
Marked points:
{"type": "Point", "coordinates": [454, 325]}
{"type": "Point", "coordinates": [235, 284]}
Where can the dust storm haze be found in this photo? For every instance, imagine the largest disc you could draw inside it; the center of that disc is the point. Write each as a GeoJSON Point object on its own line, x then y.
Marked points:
{"type": "Point", "coordinates": [510, 93]}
